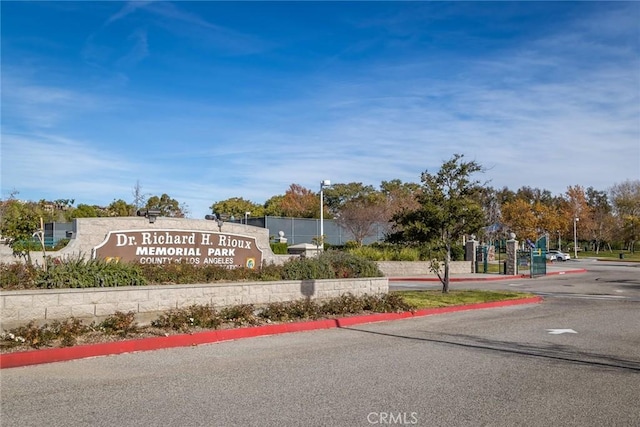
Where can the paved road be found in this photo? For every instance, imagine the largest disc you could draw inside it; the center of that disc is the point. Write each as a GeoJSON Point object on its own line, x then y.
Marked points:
{"type": "Point", "coordinates": [498, 367]}
{"type": "Point", "coordinates": [604, 280]}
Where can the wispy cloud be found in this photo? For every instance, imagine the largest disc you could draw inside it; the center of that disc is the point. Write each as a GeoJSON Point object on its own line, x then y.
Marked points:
{"type": "Point", "coordinates": [35, 105]}
{"type": "Point", "coordinates": [129, 8]}
{"type": "Point", "coordinates": [536, 110]}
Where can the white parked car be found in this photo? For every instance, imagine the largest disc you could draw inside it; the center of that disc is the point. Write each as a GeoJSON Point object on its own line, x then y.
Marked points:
{"type": "Point", "coordinates": [560, 256]}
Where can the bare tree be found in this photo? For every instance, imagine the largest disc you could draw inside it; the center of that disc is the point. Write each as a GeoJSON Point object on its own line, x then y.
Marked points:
{"type": "Point", "coordinates": [361, 216]}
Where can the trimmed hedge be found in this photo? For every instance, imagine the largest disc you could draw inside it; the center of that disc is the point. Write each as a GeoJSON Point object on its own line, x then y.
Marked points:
{"type": "Point", "coordinates": [80, 273]}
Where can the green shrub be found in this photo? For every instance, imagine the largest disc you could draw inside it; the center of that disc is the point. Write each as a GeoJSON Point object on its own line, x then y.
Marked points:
{"type": "Point", "coordinates": [307, 269]}
{"type": "Point", "coordinates": [31, 335]}
{"type": "Point", "coordinates": [119, 323]}
{"type": "Point", "coordinates": [279, 248]}
{"type": "Point", "coordinates": [184, 319]}
{"type": "Point", "coordinates": [17, 275]}
{"type": "Point", "coordinates": [79, 273]}
{"type": "Point", "coordinates": [290, 310]}
{"type": "Point", "coordinates": [368, 252]}
{"type": "Point", "coordinates": [304, 309]}
{"type": "Point", "coordinates": [270, 272]}
{"type": "Point", "coordinates": [68, 330]}
{"type": "Point", "coordinates": [343, 304]}
{"type": "Point", "coordinates": [239, 315]}
{"type": "Point", "coordinates": [385, 303]}
{"type": "Point", "coordinates": [346, 265]}
{"type": "Point", "coordinates": [457, 253]}
{"type": "Point", "coordinates": [351, 244]}
{"type": "Point", "coordinates": [276, 312]}
{"type": "Point", "coordinates": [61, 244]}
{"type": "Point", "coordinates": [407, 254]}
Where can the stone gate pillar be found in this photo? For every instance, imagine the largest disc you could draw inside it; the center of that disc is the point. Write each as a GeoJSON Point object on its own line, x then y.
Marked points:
{"type": "Point", "coordinates": [470, 252]}
{"type": "Point", "coordinates": [512, 255]}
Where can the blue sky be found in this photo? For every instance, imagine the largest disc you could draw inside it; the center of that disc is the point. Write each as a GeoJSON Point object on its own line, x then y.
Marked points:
{"type": "Point", "coordinates": [210, 100]}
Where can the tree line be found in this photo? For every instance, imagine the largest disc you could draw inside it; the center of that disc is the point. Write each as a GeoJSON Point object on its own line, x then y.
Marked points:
{"type": "Point", "coordinates": [403, 209]}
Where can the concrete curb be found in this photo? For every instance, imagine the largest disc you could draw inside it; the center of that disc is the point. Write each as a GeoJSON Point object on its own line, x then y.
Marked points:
{"type": "Point", "coordinates": [50, 355]}
{"type": "Point", "coordinates": [481, 279]}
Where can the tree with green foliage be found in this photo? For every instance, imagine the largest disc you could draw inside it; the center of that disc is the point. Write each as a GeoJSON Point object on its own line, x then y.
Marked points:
{"type": "Point", "coordinates": [336, 196]}
{"type": "Point", "coordinates": [357, 208]}
{"type": "Point", "coordinates": [448, 209]}
{"type": "Point", "coordinates": [602, 221]}
{"type": "Point", "coordinates": [166, 205]}
{"type": "Point", "coordinates": [273, 206]}
{"type": "Point", "coordinates": [84, 211]}
{"type": "Point", "coordinates": [18, 222]}
{"type": "Point", "coordinates": [236, 207]}
{"type": "Point", "coordinates": [625, 197]}
{"type": "Point", "coordinates": [121, 208]}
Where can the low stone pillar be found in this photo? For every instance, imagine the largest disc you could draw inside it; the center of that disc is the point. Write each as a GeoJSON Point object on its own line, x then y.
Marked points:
{"type": "Point", "coordinates": [512, 255]}
{"type": "Point", "coordinates": [470, 252]}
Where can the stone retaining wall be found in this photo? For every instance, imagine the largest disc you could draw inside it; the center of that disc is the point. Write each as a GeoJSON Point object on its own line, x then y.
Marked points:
{"type": "Point", "coordinates": [20, 307]}
{"type": "Point", "coordinates": [419, 268]}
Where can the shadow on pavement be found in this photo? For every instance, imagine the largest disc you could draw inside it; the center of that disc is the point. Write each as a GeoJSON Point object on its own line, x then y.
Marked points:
{"type": "Point", "coordinates": [555, 352]}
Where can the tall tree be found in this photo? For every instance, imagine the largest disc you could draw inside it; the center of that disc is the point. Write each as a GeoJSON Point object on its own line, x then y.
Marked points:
{"type": "Point", "coordinates": [236, 207]}
{"type": "Point", "coordinates": [578, 209]}
{"type": "Point", "coordinates": [531, 220]}
{"type": "Point", "coordinates": [18, 221]}
{"type": "Point", "coordinates": [533, 195]}
{"type": "Point", "coordinates": [362, 216]}
{"type": "Point", "coordinates": [166, 205]}
{"type": "Point", "coordinates": [338, 194]}
{"type": "Point", "coordinates": [85, 211]}
{"type": "Point", "coordinates": [121, 208]}
{"type": "Point", "coordinates": [601, 217]}
{"type": "Point", "coordinates": [300, 202]}
{"type": "Point", "coordinates": [399, 196]}
{"type": "Point", "coordinates": [448, 210]}
{"type": "Point", "coordinates": [357, 208]}
{"type": "Point", "coordinates": [625, 197]}
{"type": "Point", "coordinates": [273, 206]}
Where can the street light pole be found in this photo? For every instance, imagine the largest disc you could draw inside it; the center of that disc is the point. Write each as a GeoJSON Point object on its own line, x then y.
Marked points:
{"type": "Point", "coordinates": [559, 243]}
{"type": "Point", "coordinates": [323, 183]}
{"type": "Point", "coordinates": [575, 238]}
{"type": "Point", "coordinates": [246, 217]}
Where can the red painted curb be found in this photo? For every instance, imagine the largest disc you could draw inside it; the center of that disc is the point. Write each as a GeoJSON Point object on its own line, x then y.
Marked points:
{"type": "Point", "coordinates": [50, 355]}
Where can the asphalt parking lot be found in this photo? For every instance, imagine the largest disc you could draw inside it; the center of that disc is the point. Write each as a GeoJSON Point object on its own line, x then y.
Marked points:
{"type": "Point", "coordinates": [572, 360]}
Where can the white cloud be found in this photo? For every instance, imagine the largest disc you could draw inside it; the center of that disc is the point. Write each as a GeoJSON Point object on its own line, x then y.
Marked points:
{"type": "Point", "coordinates": [539, 113]}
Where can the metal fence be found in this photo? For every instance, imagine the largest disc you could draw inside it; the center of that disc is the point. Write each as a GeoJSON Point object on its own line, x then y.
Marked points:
{"type": "Point", "coordinates": [296, 230]}
{"type": "Point", "coordinates": [304, 230]}
{"type": "Point", "coordinates": [56, 231]}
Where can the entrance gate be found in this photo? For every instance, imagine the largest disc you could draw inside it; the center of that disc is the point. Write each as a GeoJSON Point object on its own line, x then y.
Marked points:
{"type": "Point", "coordinates": [535, 258]}
{"type": "Point", "coordinates": [539, 258]}
{"type": "Point", "coordinates": [482, 259]}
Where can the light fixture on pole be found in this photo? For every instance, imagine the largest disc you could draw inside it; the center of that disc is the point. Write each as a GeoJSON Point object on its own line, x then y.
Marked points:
{"type": "Point", "coordinates": [246, 217]}
{"type": "Point", "coordinates": [324, 183]}
{"type": "Point", "coordinates": [575, 238]}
